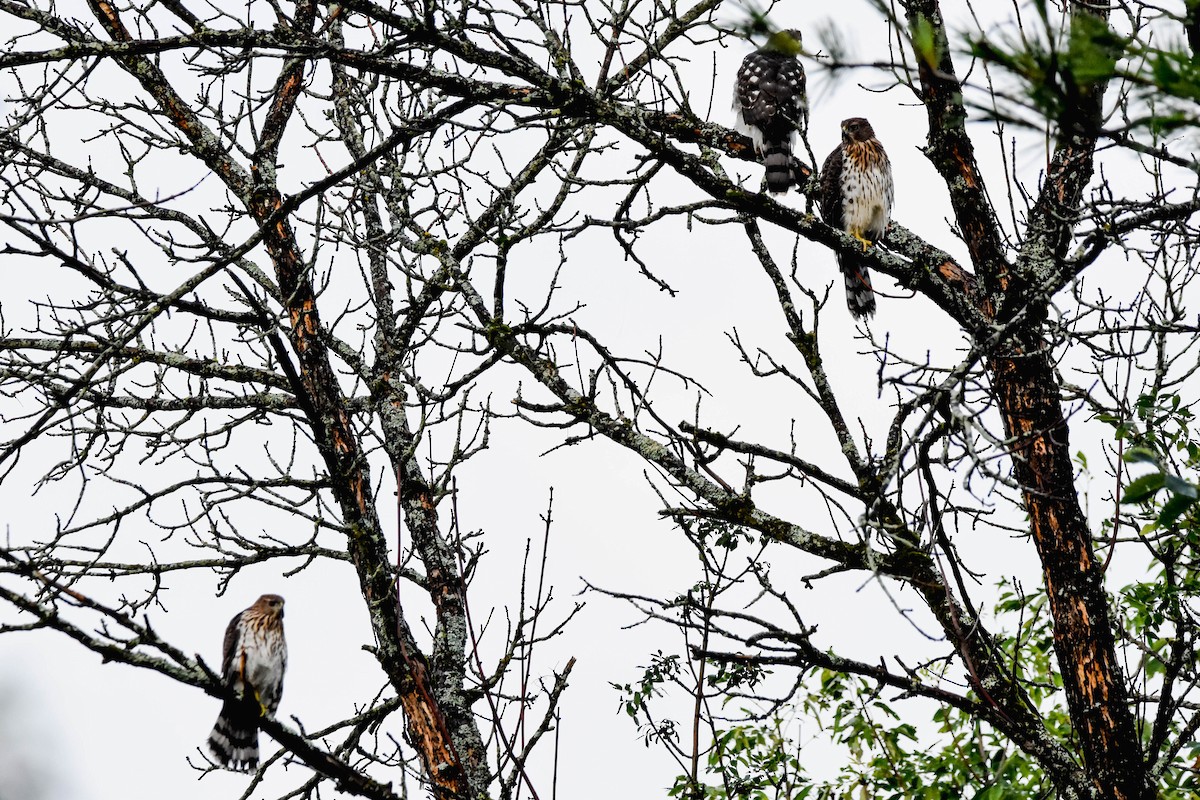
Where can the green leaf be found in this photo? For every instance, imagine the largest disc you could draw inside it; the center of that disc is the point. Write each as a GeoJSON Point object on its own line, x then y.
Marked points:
{"type": "Point", "coordinates": [1141, 455]}
{"type": "Point", "coordinates": [923, 40]}
{"type": "Point", "coordinates": [1092, 50]}
{"type": "Point", "coordinates": [1142, 489]}
{"type": "Point", "coordinates": [1180, 486]}
{"type": "Point", "coordinates": [1174, 508]}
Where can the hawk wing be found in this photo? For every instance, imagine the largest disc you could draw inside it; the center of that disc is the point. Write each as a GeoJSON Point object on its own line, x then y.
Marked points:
{"type": "Point", "coordinates": [831, 189]}
{"type": "Point", "coordinates": [233, 636]}
{"type": "Point", "coordinates": [770, 97]}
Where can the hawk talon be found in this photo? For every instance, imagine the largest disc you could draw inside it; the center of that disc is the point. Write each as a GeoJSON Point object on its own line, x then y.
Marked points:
{"type": "Point", "coordinates": [865, 241]}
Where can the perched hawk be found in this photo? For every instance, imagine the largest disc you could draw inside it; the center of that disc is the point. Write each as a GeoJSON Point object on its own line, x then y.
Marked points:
{"type": "Point", "coordinates": [771, 105]}
{"type": "Point", "coordinates": [856, 196]}
{"type": "Point", "coordinates": [253, 663]}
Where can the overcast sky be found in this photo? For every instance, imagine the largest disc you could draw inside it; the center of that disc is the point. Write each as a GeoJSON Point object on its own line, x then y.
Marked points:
{"type": "Point", "coordinates": [110, 732]}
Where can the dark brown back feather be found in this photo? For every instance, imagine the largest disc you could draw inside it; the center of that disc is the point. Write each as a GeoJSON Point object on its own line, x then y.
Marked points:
{"type": "Point", "coordinates": [231, 640]}
{"type": "Point", "coordinates": [831, 188]}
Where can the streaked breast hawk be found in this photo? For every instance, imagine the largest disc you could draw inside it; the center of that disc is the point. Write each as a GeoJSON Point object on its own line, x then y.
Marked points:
{"type": "Point", "coordinates": [253, 663]}
{"type": "Point", "coordinates": [771, 104]}
{"type": "Point", "coordinates": [856, 196]}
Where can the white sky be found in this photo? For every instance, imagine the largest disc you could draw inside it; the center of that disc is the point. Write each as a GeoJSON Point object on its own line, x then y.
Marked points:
{"type": "Point", "coordinates": [114, 732]}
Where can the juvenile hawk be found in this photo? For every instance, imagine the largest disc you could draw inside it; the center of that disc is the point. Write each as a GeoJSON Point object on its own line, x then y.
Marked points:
{"type": "Point", "coordinates": [253, 663]}
{"type": "Point", "coordinates": [771, 104]}
{"type": "Point", "coordinates": [856, 196]}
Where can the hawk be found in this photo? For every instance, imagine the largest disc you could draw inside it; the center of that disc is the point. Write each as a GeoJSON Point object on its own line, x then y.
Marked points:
{"type": "Point", "coordinates": [856, 197]}
{"type": "Point", "coordinates": [771, 104]}
{"type": "Point", "coordinates": [253, 662]}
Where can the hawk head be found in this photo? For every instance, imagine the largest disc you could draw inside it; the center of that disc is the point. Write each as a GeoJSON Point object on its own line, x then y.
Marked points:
{"type": "Point", "coordinates": [784, 42]}
{"type": "Point", "coordinates": [857, 129]}
{"type": "Point", "coordinates": [270, 605]}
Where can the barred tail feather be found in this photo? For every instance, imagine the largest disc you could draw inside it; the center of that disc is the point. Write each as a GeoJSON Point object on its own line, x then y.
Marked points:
{"type": "Point", "coordinates": [859, 295]}
{"type": "Point", "coordinates": [234, 739]}
{"type": "Point", "coordinates": [777, 158]}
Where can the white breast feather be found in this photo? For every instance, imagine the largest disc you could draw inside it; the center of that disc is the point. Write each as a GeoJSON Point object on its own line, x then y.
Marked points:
{"type": "Point", "coordinates": [866, 200]}
{"type": "Point", "coordinates": [264, 664]}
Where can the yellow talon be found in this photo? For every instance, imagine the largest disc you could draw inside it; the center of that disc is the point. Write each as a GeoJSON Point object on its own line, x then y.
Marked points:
{"type": "Point", "coordinates": [262, 709]}
{"type": "Point", "coordinates": [865, 241]}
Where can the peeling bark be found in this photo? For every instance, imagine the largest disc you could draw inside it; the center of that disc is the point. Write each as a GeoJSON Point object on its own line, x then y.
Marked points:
{"type": "Point", "coordinates": [1028, 395]}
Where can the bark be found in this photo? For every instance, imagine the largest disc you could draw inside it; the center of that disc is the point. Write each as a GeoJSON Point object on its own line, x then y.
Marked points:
{"type": "Point", "coordinates": [1029, 397]}
{"type": "Point", "coordinates": [1028, 394]}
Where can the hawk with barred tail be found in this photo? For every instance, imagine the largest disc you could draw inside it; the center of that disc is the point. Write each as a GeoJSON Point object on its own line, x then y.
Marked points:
{"type": "Point", "coordinates": [253, 663]}
{"type": "Point", "coordinates": [771, 104]}
{"type": "Point", "coordinates": [856, 197]}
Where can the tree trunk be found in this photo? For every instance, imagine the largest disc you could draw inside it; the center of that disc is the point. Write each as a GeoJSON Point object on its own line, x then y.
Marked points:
{"type": "Point", "coordinates": [1027, 391]}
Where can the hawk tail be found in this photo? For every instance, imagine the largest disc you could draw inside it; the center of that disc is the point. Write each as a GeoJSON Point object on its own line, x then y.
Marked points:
{"type": "Point", "coordinates": [777, 158]}
{"type": "Point", "coordinates": [234, 739]}
{"type": "Point", "coordinates": [860, 297]}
